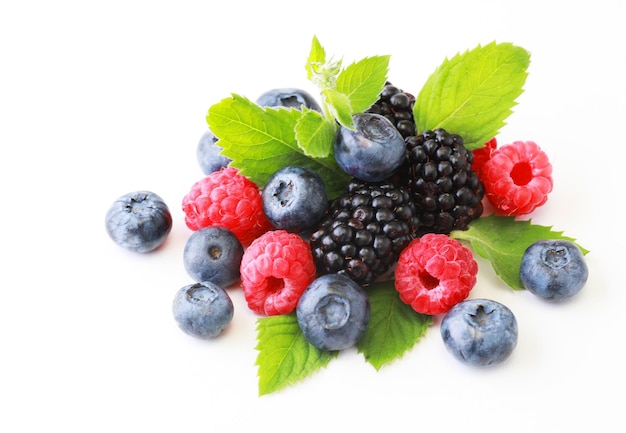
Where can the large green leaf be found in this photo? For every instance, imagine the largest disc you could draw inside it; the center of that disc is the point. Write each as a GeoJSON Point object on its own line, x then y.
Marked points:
{"type": "Point", "coordinates": [473, 93]}
{"type": "Point", "coordinates": [285, 356]}
{"type": "Point", "coordinates": [394, 327]}
{"type": "Point", "coordinates": [261, 140]}
{"type": "Point", "coordinates": [503, 240]}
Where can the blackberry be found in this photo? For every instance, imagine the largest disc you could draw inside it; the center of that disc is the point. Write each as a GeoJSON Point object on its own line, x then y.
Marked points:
{"type": "Point", "coordinates": [397, 106]}
{"type": "Point", "coordinates": [437, 171]}
{"type": "Point", "coordinates": [364, 230]}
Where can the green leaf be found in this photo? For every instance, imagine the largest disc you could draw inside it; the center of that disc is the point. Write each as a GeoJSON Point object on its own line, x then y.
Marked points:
{"type": "Point", "coordinates": [502, 240]}
{"type": "Point", "coordinates": [317, 57]}
{"type": "Point", "coordinates": [339, 107]}
{"type": "Point", "coordinates": [394, 326]}
{"type": "Point", "coordinates": [473, 93]}
{"type": "Point", "coordinates": [314, 134]}
{"type": "Point", "coordinates": [285, 356]}
{"type": "Point", "coordinates": [363, 81]}
{"type": "Point", "coordinates": [262, 140]}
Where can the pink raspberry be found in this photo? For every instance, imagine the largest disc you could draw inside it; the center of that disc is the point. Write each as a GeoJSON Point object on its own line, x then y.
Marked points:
{"type": "Point", "coordinates": [275, 269]}
{"type": "Point", "coordinates": [517, 178]}
{"type": "Point", "coordinates": [228, 199]}
{"type": "Point", "coordinates": [434, 273]}
{"type": "Point", "coordinates": [482, 155]}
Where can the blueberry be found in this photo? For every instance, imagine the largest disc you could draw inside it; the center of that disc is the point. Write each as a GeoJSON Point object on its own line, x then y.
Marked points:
{"type": "Point", "coordinates": [208, 154]}
{"type": "Point", "coordinates": [333, 312]}
{"type": "Point", "coordinates": [202, 310]}
{"type": "Point", "coordinates": [372, 151]}
{"type": "Point", "coordinates": [139, 221]}
{"type": "Point", "coordinates": [294, 198]}
{"type": "Point", "coordinates": [480, 332]}
{"type": "Point", "coordinates": [213, 254]}
{"type": "Point", "coordinates": [288, 97]}
{"type": "Point", "coordinates": [554, 270]}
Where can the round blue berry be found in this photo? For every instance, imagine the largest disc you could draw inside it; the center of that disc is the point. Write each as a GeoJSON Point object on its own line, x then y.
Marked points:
{"type": "Point", "coordinates": [139, 221]}
{"type": "Point", "coordinates": [213, 254]}
{"type": "Point", "coordinates": [202, 310]}
{"type": "Point", "coordinates": [294, 198]}
{"type": "Point", "coordinates": [208, 153]}
{"type": "Point", "coordinates": [333, 312]}
{"type": "Point", "coordinates": [288, 97]}
{"type": "Point", "coordinates": [554, 270]}
{"type": "Point", "coordinates": [372, 151]}
{"type": "Point", "coordinates": [480, 332]}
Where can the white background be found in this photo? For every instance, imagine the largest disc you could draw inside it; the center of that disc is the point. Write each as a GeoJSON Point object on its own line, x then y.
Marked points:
{"type": "Point", "coordinates": [102, 98]}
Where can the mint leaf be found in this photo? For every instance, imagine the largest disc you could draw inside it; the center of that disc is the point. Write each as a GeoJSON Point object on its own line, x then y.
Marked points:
{"type": "Point", "coordinates": [338, 105]}
{"type": "Point", "coordinates": [285, 356]}
{"type": "Point", "coordinates": [503, 240]}
{"type": "Point", "coordinates": [322, 72]}
{"type": "Point", "coordinates": [262, 140]}
{"type": "Point", "coordinates": [363, 81]}
{"type": "Point", "coordinates": [314, 134]}
{"type": "Point", "coordinates": [394, 326]}
{"type": "Point", "coordinates": [473, 93]}
{"type": "Point", "coordinates": [346, 91]}
{"type": "Point", "coordinates": [317, 57]}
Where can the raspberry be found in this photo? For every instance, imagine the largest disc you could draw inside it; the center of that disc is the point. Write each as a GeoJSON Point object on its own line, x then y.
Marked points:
{"type": "Point", "coordinates": [228, 199]}
{"type": "Point", "coordinates": [275, 269]}
{"type": "Point", "coordinates": [482, 155]}
{"type": "Point", "coordinates": [434, 273]}
{"type": "Point", "coordinates": [517, 178]}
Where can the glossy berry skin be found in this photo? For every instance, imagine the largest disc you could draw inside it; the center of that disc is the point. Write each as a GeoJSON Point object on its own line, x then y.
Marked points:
{"type": "Point", "coordinates": [294, 198]}
{"type": "Point", "coordinates": [372, 151]}
{"type": "Point", "coordinates": [397, 106]}
{"type": "Point", "coordinates": [288, 97]}
{"type": "Point", "coordinates": [202, 310]}
{"type": "Point", "coordinates": [208, 153]}
{"type": "Point", "coordinates": [213, 254]}
{"type": "Point", "coordinates": [139, 221]}
{"type": "Point", "coordinates": [554, 270]}
{"type": "Point", "coordinates": [480, 332]}
{"type": "Point", "coordinates": [333, 312]}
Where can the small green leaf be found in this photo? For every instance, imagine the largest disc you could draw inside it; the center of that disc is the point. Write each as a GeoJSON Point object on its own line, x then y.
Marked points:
{"type": "Point", "coordinates": [339, 106]}
{"type": "Point", "coordinates": [503, 240]}
{"type": "Point", "coordinates": [321, 71]}
{"type": "Point", "coordinates": [262, 140]}
{"type": "Point", "coordinates": [317, 56]}
{"type": "Point", "coordinates": [394, 326]}
{"type": "Point", "coordinates": [314, 134]}
{"type": "Point", "coordinates": [363, 81]}
{"type": "Point", "coordinates": [473, 93]}
{"type": "Point", "coordinates": [285, 356]}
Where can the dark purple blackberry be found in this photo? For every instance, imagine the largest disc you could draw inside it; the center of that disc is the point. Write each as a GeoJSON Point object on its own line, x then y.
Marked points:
{"type": "Point", "coordinates": [397, 106]}
{"type": "Point", "coordinates": [446, 191]}
{"type": "Point", "coordinates": [364, 230]}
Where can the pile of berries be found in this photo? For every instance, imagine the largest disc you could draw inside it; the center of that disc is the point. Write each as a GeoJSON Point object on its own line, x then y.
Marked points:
{"type": "Point", "coordinates": [291, 249]}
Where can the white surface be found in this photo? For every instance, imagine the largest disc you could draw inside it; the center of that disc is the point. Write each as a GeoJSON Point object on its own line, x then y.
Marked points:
{"type": "Point", "coordinates": [100, 99]}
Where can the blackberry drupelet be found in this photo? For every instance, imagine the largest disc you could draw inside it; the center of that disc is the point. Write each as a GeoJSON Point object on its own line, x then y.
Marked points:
{"type": "Point", "coordinates": [364, 230]}
{"type": "Point", "coordinates": [397, 106]}
{"type": "Point", "coordinates": [437, 171]}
